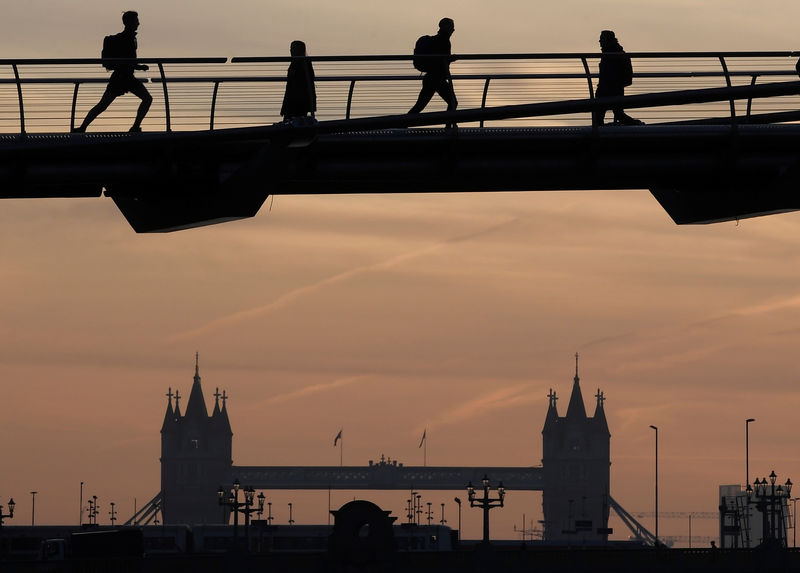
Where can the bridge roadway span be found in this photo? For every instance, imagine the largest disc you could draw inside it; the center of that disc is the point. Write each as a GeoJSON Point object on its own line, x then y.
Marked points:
{"type": "Point", "coordinates": [700, 173]}
{"type": "Point", "coordinates": [172, 181]}
{"type": "Point", "coordinates": [385, 476]}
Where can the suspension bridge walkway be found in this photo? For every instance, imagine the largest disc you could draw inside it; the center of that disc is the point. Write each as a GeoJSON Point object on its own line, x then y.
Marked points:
{"type": "Point", "coordinates": [720, 142]}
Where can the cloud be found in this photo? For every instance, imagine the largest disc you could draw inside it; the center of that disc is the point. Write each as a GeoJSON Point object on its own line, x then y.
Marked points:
{"type": "Point", "coordinates": [314, 389]}
{"type": "Point", "coordinates": [490, 403]}
{"type": "Point", "coordinates": [308, 290]}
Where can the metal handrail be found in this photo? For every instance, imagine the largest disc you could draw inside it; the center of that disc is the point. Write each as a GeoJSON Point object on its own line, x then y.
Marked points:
{"type": "Point", "coordinates": [232, 65]}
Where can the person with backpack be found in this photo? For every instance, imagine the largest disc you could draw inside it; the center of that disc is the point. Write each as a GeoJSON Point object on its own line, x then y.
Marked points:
{"type": "Point", "coordinates": [432, 56]}
{"type": "Point", "coordinates": [300, 97]}
{"type": "Point", "coordinates": [616, 73]}
{"type": "Point", "coordinates": [122, 80]}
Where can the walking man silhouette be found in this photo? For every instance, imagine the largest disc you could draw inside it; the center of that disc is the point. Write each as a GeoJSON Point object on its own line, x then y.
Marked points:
{"type": "Point", "coordinates": [437, 77]}
{"type": "Point", "coordinates": [122, 81]}
{"type": "Point", "coordinates": [616, 72]}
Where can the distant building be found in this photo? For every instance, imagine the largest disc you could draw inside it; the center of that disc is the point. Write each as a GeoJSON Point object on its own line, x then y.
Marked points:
{"type": "Point", "coordinates": [196, 457]}
{"type": "Point", "coordinates": [576, 459]}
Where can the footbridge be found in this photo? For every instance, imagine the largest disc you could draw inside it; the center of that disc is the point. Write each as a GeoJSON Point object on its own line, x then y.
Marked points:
{"type": "Point", "coordinates": [385, 475]}
{"type": "Point", "coordinates": [719, 141]}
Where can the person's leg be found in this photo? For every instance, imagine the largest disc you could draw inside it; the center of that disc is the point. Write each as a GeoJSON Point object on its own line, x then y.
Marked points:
{"type": "Point", "coordinates": [599, 114]}
{"type": "Point", "coordinates": [137, 88]}
{"type": "Point", "coordinates": [105, 101]}
{"type": "Point", "coordinates": [619, 112]}
{"type": "Point", "coordinates": [425, 94]}
{"type": "Point", "coordinates": [445, 90]}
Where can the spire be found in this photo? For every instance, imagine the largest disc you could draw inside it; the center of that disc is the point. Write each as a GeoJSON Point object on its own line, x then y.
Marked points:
{"type": "Point", "coordinates": [552, 411]}
{"type": "Point", "coordinates": [216, 403]}
{"type": "Point", "coordinates": [576, 409]}
{"type": "Point", "coordinates": [223, 414]}
{"type": "Point", "coordinates": [599, 413]}
{"type": "Point", "coordinates": [169, 416]}
{"type": "Point", "coordinates": [197, 403]}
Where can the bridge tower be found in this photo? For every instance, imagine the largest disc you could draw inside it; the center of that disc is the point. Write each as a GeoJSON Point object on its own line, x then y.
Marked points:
{"type": "Point", "coordinates": [576, 460]}
{"type": "Point", "coordinates": [196, 457]}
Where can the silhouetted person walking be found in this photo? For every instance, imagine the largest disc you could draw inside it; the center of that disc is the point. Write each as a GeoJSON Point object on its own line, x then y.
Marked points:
{"type": "Point", "coordinates": [616, 73]}
{"type": "Point", "coordinates": [300, 98]}
{"type": "Point", "coordinates": [122, 81]}
{"type": "Point", "coordinates": [437, 77]}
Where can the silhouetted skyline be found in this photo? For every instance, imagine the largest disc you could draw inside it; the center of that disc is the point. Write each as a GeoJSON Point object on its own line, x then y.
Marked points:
{"type": "Point", "coordinates": [389, 315]}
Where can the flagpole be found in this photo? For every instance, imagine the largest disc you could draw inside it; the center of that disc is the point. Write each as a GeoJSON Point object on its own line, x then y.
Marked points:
{"type": "Point", "coordinates": [341, 451]}
{"type": "Point", "coordinates": [425, 451]}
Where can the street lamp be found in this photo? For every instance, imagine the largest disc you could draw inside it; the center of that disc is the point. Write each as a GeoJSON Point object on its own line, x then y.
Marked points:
{"type": "Point", "coordinates": [656, 429]}
{"type": "Point", "coordinates": [486, 502]}
{"type": "Point", "coordinates": [291, 521]}
{"type": "Point", "coordinates": [10, 513]}
{"type": "Point", "coordinates": [261, 498]}
{"type": "Point", "coordinates": [770, 500]}
{"type": "Point", "coordinates": [230, 499]}
{"type": "Point", "coordinates": [91, 511]}
{"type": "Point", "coordinates": [113, 513]}
{"type": "Point", "coordinates": [33, 507]}
{"type": "Point", "coordinates": [458, 502]}
{"type": "Point", "coordinates": [794, 520]}
{"type": "Point", "coordinates": [747, 449]}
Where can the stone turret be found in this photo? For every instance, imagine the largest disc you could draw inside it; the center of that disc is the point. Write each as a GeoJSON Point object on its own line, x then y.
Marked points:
{"type": "Point", "coordinates": [576, 460]}
{"type": "Point", "coordinates": [196, 457]}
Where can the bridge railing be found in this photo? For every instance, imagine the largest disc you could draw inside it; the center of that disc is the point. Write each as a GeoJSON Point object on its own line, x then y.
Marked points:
{"type": "Point", "coordinates": [212, 93]}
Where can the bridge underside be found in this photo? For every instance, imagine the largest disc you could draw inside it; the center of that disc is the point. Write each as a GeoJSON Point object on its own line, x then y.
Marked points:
{"type": "Point", "coordinates": [170, 181]}
{"type": "Point", "coordinates": [385, 477]}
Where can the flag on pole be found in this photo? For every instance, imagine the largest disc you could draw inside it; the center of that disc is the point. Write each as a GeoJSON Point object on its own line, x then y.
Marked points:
{"type": "Point", "coordinates": [422, 441]}
{"type": "Point", "coordinates": [337, 438]}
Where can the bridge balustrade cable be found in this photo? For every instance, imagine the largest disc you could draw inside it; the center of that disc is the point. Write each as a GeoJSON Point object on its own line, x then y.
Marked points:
{"type": "Point", "coordinates": [52, 96]}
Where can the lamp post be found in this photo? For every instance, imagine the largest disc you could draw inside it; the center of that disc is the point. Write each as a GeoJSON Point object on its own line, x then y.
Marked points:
{"type": "Point", "coordinates": [261, 498]}
{"type": "Point", "coordinates": [486, 502]}
{"type": "Point", "coordinates": [113, 513]}
{"type": "Point", "coordinates": [291, 521]}
{"type": "Point", "coordinates": [770, 500]}
{"type": "Point", "coordinates": [656, 429]}
{"type": "Point", "coordinates": [794, 520]}
{"type": "Point", "coordinates": [747, 450]}
{"type": "Point", "coordinates": [458, 502]}
{"type": "Point", "coordinates": [269, 513]}
{"type": "Point", "coordinates": [91, 511]}
{"type": "Point", "coordinates": [230, 499]}
{"type": "Point", "coordinates": [443, 520]}
{"type": "Point", "coordinates": [10, 513]}
{"type": "Point", "coordinates": [33, 507]}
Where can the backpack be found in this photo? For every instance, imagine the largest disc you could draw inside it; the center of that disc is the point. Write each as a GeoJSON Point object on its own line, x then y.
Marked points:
{"type": "Point", "coordinates": [111, 49]}
{"type": "Point", "coordinates": [626, 69]}
{"type": "Point", "coordinates": [424, 47]}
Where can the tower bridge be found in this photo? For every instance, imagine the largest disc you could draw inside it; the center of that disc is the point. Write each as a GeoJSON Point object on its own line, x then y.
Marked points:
{"type": "Point", "coordinates": [719, 143]}
{"type": "Point", "coordinates": [387, 476]}
{"type": "Point", "coordinates": [196, 457]}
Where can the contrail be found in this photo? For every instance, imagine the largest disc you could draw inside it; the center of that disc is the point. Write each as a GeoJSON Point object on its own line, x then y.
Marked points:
{"type": "Point", "coordinates": [298, 293]}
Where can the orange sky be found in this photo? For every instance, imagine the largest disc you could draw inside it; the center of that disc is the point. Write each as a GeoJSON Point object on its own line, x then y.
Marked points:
{"type": "Point", "coordinates": [387, 315]}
